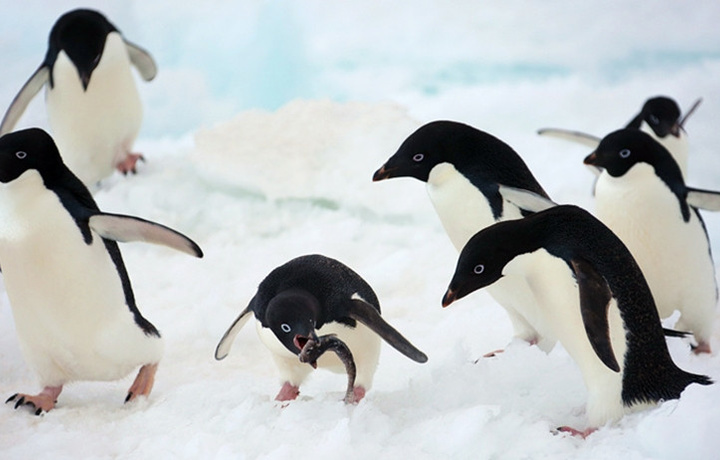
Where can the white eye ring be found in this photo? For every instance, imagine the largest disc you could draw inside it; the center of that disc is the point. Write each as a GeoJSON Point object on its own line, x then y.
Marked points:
{"type": "Point", "coordinates": [20, 154]}
{"type": "Point", "coordinates": [418, 157]}
{"type": "Point", "coordinates": [655, 120]}
{"type": "Point", "coordinates": [479, 269]}
{"type": "Point", "coordinates": [624, 153]}
{"type": "Point", "coordinates": [285, 327]}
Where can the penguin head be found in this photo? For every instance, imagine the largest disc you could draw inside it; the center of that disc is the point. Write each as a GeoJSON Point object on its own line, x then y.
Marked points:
{"type": "Point", "coordinates": [662, 114]}
{"type": "Point", "coordinates": [481, 262]}
{"type": "Point", "coordinates": [428, 146]}
{"type": "Point", "coordinates": [292, 316]}
{"type": "Point", "coordinates": [621, 150]}
{"type": "Point", "coordinates": [81, 34]}
{"type": "Point", "coordinates": [29, 149]}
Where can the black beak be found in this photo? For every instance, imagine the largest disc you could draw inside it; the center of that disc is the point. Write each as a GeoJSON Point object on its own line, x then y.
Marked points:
{"type": "Point", "coordinates": [591, 159]}
{"type": "Point", "coordinates": [382, 174]}
{"type": "Point", "coordinates": [449, 297]}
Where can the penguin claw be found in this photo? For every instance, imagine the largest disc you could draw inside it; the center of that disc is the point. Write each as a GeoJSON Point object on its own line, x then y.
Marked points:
{"type": "Point", "coordinates": [11, 398]}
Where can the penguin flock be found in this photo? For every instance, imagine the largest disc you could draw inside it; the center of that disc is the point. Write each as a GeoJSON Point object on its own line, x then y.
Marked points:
{"type": "Point", "coordinates": [599, 284]}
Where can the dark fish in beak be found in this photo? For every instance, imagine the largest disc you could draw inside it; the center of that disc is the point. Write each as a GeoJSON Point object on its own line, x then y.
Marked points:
{"type": "Point", "coordinates": [316, 346]}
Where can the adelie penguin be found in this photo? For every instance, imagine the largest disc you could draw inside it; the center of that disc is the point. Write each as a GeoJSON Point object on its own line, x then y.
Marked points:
{"type": "Point", "coordinates": [92, 101]}
{"type": "Point", "coordinates": [592, 295]}
{"type": "Point", "coordinates": [466, 171]}
{"type": "Point", "coordinates": [72, 301]}
{"type": "Point", "coordinates": [659, 117]}
{"type": "Point", "coordinates": [642, 197]}
{"type": "Point", "coordinates": [313, 295]}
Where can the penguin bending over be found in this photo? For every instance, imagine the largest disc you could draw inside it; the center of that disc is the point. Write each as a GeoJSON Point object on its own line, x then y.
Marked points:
{"type": "Point", "coordinates": [642, 197]}
{"type": "Point", "coordinates": [316, 295]}
{"type": "Point", "coordinates": [70, 294]}
{"type": "Point", "coordinates": [659, 117]}
{"type": "Point", "coordinates": [466, 171]}
{"type": "Point", "coordinates": [592, 294]}
{"type": "Point", "coordinates": [93, 105]}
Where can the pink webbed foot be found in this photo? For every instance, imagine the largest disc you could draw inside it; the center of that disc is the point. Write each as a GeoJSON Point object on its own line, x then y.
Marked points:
{"type": "Point", "coordinates": [288, 392]}
{"type": "Point", "coordinates": [129, 164]}
{"type": "Point", "coordinates": [583, 434]}
{"type": "Point", "coordinates": [701, 347]}
{"type": "Point", "coordinates": [143, 383]}
{"type": "Point", "coordinates": [42, 402]}
{"type": "Point", "coordinates": [355, 396]}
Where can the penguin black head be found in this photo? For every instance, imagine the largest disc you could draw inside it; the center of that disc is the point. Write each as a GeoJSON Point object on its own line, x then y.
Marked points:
{"type": "Point", "coordinates": [428, 146]}
{"type": "Point", "coordinates": [29, 149]}
{"type": "Point", "coordinates": [81, 34]}
{"type": "Point", "coordinates": [662, 114]}
{"type": "Point", "coordinates": [481, 262]}
{"type": "Point", "coordinates": [292, 316]}
{"type": "Point", "coordinates": [621, 150]}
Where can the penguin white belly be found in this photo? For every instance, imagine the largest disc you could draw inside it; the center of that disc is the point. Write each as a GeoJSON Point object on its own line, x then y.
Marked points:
{"type": "Point", "coordinates": [464, 211]}
{"type": "Point", "coordinates": [96, 128]}
{"type": "Point", "coordinates": [559, 315]}
{"type": "Point", "coordinates": [677, 146]}
{"type": "Point", "coordinates": [66, 297]}
{"type": "Point", "coordinates": [672, 254]}
{"type": "Point", "coordinates": [363, 343]}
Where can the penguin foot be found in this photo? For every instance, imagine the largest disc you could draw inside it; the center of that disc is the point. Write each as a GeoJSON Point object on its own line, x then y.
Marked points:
{"type": "Point", "coordinates": [354, 396]}
{"type": "Point", "coordinates": [128, 165]}
{"type": "Point", "coordinates": [42, 402]}
{"type": "Point", "coordinates": [701, 347]}
{"type": "Point", "coordinates": [583, 434]}
{"type": "Point", "coordinates": [143, 383]}
{"type": "Point", "coordinates": [288, 392]}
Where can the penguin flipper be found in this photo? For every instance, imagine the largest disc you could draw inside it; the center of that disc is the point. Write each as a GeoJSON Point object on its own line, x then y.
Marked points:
{"type": "Point", "coordinates": [123, 228]}
{"type": "Point", "coordinates": [142, 61]}
{"type": "Point", "coordinates": [525, 199]}
{"type": "Point", "coordinates": [223, 347]}
{"type": "Point", "coordinates": [362, 311]}
{"type": "Point", "coordinates": [595, 298]}
{"type": "Point", "coordinates": [703, 199]}
{"type": "Point", "coordinates": [574, 136]}
{"type": "Point", "coordinates": [31, 87]}
{"type": "Point", "coordinates": [689, 112]}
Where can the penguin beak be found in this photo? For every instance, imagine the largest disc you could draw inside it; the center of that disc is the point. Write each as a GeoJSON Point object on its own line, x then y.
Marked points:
{"type": "Point", "coordinates": [299, 341]}
{"type": "Point", "coordinates": [591, 159]}
{"type": "Point", "coordinates": [675, 129]}
{"type": "Point", "coordinates": [449, 297]}
{"type": "Point", "coordinates": [382, 174]}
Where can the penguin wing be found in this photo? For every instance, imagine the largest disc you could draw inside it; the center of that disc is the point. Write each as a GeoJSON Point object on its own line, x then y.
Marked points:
{"type": "Point", "coordinates": [595, 298]}
{"type": "Point", "coordinates": [703, 199]}
{"type": "Point", "coordinates": [525, 199]}
{"type": "Point", "coordinates": [689, 112]}
{"type": "Point", "coordinates": [142, 61]}
{"type": "Point", "coordinates": [573, 136]}
{"type": "Point", "coordinates": [362, 311]}
{"type": "Point", "coordinates": [223, 348]}
{"type": "Point", "coordinates": [31, 87]}
{"type": "Point", "coordinates": [123, 228]}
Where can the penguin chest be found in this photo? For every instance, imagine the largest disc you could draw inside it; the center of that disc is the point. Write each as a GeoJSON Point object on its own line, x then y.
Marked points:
{"type": "Point", "coordinates": [66, 296]}
{"type": "Point", "coordinates": [94, 127]}
{"type": "Point", "coordinates": [461, 206]}
{"type": "Point", "coordinates": [673, 254]}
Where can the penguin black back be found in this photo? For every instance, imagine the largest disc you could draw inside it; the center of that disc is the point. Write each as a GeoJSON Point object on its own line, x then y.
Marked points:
{"type": "Point", "coordinates": [329, 281]}
{"type": "Point", "coordinates": [572, 234]}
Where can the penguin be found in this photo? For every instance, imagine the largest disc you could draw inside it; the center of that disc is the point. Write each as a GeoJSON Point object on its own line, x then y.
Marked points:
{"type": "Point", "coordinates": [465, 169]}
{"type": "Point", "coordinates": [71, 298]}
{"type": "Point", "coordinates": [93, 106]}
{"type": "Point", "coordinates": [658, 117]}
{"type": "Point", "coordinates": [592, 295]}
{"type": "Point", "coordinates": [315, 295]}
{"type": "Point", "coordinates": [642, 197]}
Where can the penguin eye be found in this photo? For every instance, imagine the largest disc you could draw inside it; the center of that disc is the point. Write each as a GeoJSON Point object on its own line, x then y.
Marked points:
{"type": "Point", "coordinates": [285, 327]}
{"type": "Point", "coordinates": [654, 120]}
{"type": "Point", "coordinates": [479, 269]}
{"type": "Point", "coordinates": [21, 155]}
{"type": "Point", "coordinates": [418, 157]}
{"type": "Point", "coordinates": [624, 153]}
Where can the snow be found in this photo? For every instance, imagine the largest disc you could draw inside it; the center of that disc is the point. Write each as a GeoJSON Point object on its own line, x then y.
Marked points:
{"type": "Point", "coordinates": [262, 132]}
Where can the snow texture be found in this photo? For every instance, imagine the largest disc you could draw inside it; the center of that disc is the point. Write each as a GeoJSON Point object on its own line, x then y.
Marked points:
{"type": "Point", "coordinates": [262, 132]}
